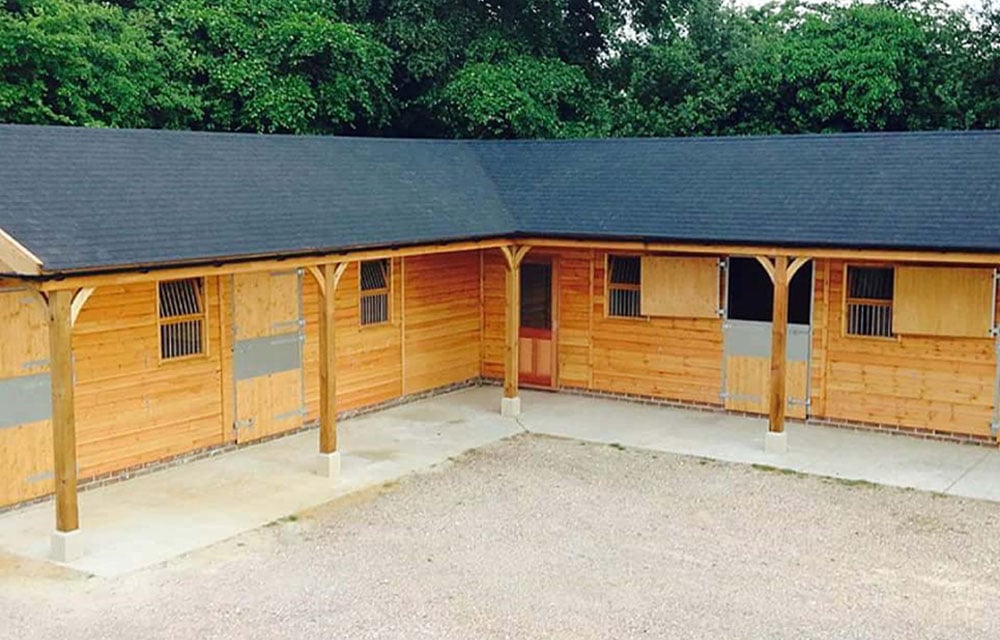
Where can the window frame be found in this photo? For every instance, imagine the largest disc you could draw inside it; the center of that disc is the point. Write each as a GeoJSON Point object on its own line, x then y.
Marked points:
{"type": "Point", "coordinates": [847, 300]}
{"type": "Point", "coordinates": [608, 286]}
{"type": "Point", "coordinates": [371, 293]}
{"type": "Point", "coordinates": [201, 290]}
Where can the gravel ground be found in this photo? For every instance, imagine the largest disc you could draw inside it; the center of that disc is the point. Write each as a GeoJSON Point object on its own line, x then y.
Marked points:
{"type": "Point", "coordinates": [542, 538]}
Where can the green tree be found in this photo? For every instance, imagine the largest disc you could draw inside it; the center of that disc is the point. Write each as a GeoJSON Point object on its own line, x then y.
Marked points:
{"type": "Point", "coordinates": [79, 63]}
{"type": "Point", "coordinates": [281, 65]}
{"type": "Point", "coordinates": [864, 67]}
{"type": "Point", "coordinates": [505, 93]}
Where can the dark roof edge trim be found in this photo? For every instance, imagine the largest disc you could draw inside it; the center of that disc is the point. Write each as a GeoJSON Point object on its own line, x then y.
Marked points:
{"type": "Point", "coordinates": [219, 261]}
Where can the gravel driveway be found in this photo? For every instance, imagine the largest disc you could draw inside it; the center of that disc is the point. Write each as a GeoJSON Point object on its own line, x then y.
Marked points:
{"type": "Point", "coordinates": [536, 537]}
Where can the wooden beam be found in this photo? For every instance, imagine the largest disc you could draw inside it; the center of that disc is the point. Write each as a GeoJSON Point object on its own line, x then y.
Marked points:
{"type": "Point", "coordinates": [79, 300]}
{"type": "Point", "coordinates": [779, 346]}
{"type": "Point", "coordinates": [797, 264]}
{"type": "Point", "coordinates": [751, 250]}
{"type": "Point", "coordinates": [317, 275]}
{"type": "Point", "coordinates": [15, 257]}
{"type": "Point", "coordinates": [327, 359]}
{"type": "Point", "coordinates": [768, 266]}
{"type": "Point", "coordinates": [514, 256]}
{"type": "Point", "coordinates": [338, 273]}
{"type": "Point", "coordinates": [63, 414]}
{"type": "Point", "coordinates": [129, 274]}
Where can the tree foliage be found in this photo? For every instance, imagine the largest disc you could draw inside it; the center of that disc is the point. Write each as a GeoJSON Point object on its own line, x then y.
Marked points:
{"type": "Point", "coordinates": [500, 68]}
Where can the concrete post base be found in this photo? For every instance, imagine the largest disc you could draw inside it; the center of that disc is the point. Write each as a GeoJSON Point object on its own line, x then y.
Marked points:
{"type": "Point", "coordinates": [776, 442]}
{"type": "Point", "coordinates": [510, 407]}
{"type": "Point", "coordinates": [67, 546]}
{"type": "Point", "coordinates": [328, 465]}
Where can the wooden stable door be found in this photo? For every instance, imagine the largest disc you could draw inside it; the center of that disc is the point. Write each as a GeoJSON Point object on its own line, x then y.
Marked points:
{"type": "Point", "coordinates": [746, 372]}
{"type": "Point", "coordinates": [536, 346]}
{"type": "Point", "coordinates": [268, 332]}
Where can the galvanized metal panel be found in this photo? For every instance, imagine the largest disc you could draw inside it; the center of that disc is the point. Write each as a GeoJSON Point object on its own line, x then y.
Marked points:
{"type": "Point", "coordinates": [256, 357]}
{"type": "Point", "coordinates": [25, 399]}
{"type": "Point", "coordinates": [753, 339]}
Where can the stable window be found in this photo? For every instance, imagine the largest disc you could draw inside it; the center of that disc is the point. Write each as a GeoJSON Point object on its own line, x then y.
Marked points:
{"type": "Point", "coordinates": [624, 286]}
{"type": "Point", "coordinates": [374, 292]}
{"type": "Point", "coordinates": [869, 301]}
{"type": "Point", "coordinates": [181, 318]}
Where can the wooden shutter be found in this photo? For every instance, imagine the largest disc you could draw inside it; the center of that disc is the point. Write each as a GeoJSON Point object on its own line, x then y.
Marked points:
{"type": "Point", "coordinates": [680, 287]}
{"type": "Point", "coordinates": [943, 301]}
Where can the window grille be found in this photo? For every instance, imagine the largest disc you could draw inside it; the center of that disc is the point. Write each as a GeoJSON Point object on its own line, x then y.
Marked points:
{"type": "Point", "coordinates": [374, 292]}
{"type": "Point", "coordinates": [869, 301]}
{"type": "Point", "coordinates": [624, 290]}
{"type": "Point", "coordinates": [182, 318]}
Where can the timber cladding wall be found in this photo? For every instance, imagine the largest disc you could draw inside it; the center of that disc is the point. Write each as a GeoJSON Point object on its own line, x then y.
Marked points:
{"type": "Point", "coordinates": [936, 383]}
{"type": "Point", "coordinates": [432, 338]}
{"type": "Point", "coordinates": [130, 407]}
{"type": "Point", "coordinates": [670, 358]}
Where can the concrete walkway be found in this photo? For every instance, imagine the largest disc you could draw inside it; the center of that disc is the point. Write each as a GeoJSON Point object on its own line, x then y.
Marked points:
{"type": "Point", "coordinates": [146, 520]}
{"type": "Point", "coordinates": [153, 518]}
{"type": "Point", "coordinates": [880, 458]}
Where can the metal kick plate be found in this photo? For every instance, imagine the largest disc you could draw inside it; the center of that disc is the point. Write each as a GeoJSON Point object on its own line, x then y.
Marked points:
{"type": "Point", "coordinates": [25, 399]}
{"type": "Point", "coordinates": [753, 339]}
{"type": "Point", "coordinates": [260, 356]}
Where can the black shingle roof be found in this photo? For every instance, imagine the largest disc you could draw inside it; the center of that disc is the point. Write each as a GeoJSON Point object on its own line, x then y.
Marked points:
{"type": "Point", "coordinates": [93, 199]}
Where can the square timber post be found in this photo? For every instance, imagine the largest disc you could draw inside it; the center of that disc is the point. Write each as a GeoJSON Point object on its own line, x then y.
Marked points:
{"type": "Point", "coordinates": [776, 441]}
{"type": "Point", "coordinates": [510, 405]}
{"type": "Point", "coordinates": [66, 542]}
{"type": "Point", "coordinates": [329, 455]}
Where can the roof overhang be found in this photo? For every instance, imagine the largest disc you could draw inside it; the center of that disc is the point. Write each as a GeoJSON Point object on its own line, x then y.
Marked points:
{"type": "Point", "coordinates": [15, 257]}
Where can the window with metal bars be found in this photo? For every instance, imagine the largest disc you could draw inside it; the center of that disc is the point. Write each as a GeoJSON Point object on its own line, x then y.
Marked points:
{"type": "Point", "coordinates": [374, 292]}
{"type": "Point", "coordinates": [182, 318]}
{"type": "Point", "coordinates": [869, 301]}
{"type": "Point", "coordinates": [624, 286]}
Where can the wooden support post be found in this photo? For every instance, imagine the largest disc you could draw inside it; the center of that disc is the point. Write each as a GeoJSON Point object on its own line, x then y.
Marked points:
{"type": "Point", "coordinates": [327, 358]}
{"type": "Point", "coordinates": [779, 346]}
{"type": "Point", "coordinates": [63, 415]}
{"type": "Point", "coordinates": [514, 256]}
{"type": "Point", "coordinates": [512, 326]}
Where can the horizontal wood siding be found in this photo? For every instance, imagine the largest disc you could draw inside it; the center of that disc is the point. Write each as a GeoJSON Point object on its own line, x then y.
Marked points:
{"type": "Point", "coordinates": [944, 384]}
{"type": "Point", "coordinates": [494, 301]}
{"type": "Point", "coordinates": [442, 332]}
{"type": "Point", "coordinates": [441, 320]}
{"type": "Point", "coordinates": [669, 358]}
{"type": "Point", "coordinates": [130, 407]}
{"type": "Point", "coordinates": [368, 366]}
{"type": "Point", "coordinates": [574, 348]}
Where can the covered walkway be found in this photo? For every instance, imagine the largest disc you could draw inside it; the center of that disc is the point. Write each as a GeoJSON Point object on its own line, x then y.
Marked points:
{"type": "Point", "coordinates": [150, 519]}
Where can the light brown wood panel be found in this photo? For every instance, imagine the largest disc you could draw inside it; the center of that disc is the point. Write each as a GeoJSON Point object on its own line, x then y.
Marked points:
{"type": "Point", "coordinates": [926, 382]}
{"type": "Point", "coordinates": [573, 348]}
{"type": "Point", "coordinates": [494, 320]}
{"type": "Point", "coordinates": [669, 358]}
{"type": "Point", "coordinates": [267, 305]}
{"type": "Point", "coordinates": [271, 402]}
{"type": "Point", "coordinates": [748, 383]}
{"type": "Point", "coordinates": [943, 301]}
{"type": "Point", "coordinates": [680, 287]}
{"type": "Point", "coordinates": [442, 332]}
{"type": "Point", "coordinates": [25, 462]}
{"type": "Point", "coordinates": [131, 409]}
{"type": "Point", "coordinates": [442, 320]}
{"type": "Point", "coordinates": [25, 334]}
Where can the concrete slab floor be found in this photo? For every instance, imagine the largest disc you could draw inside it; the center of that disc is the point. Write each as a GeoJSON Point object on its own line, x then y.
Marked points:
{"type": "Point", "coordinates": [152, 518]}
{"type": "Point", "coordinates": [147, 520]}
